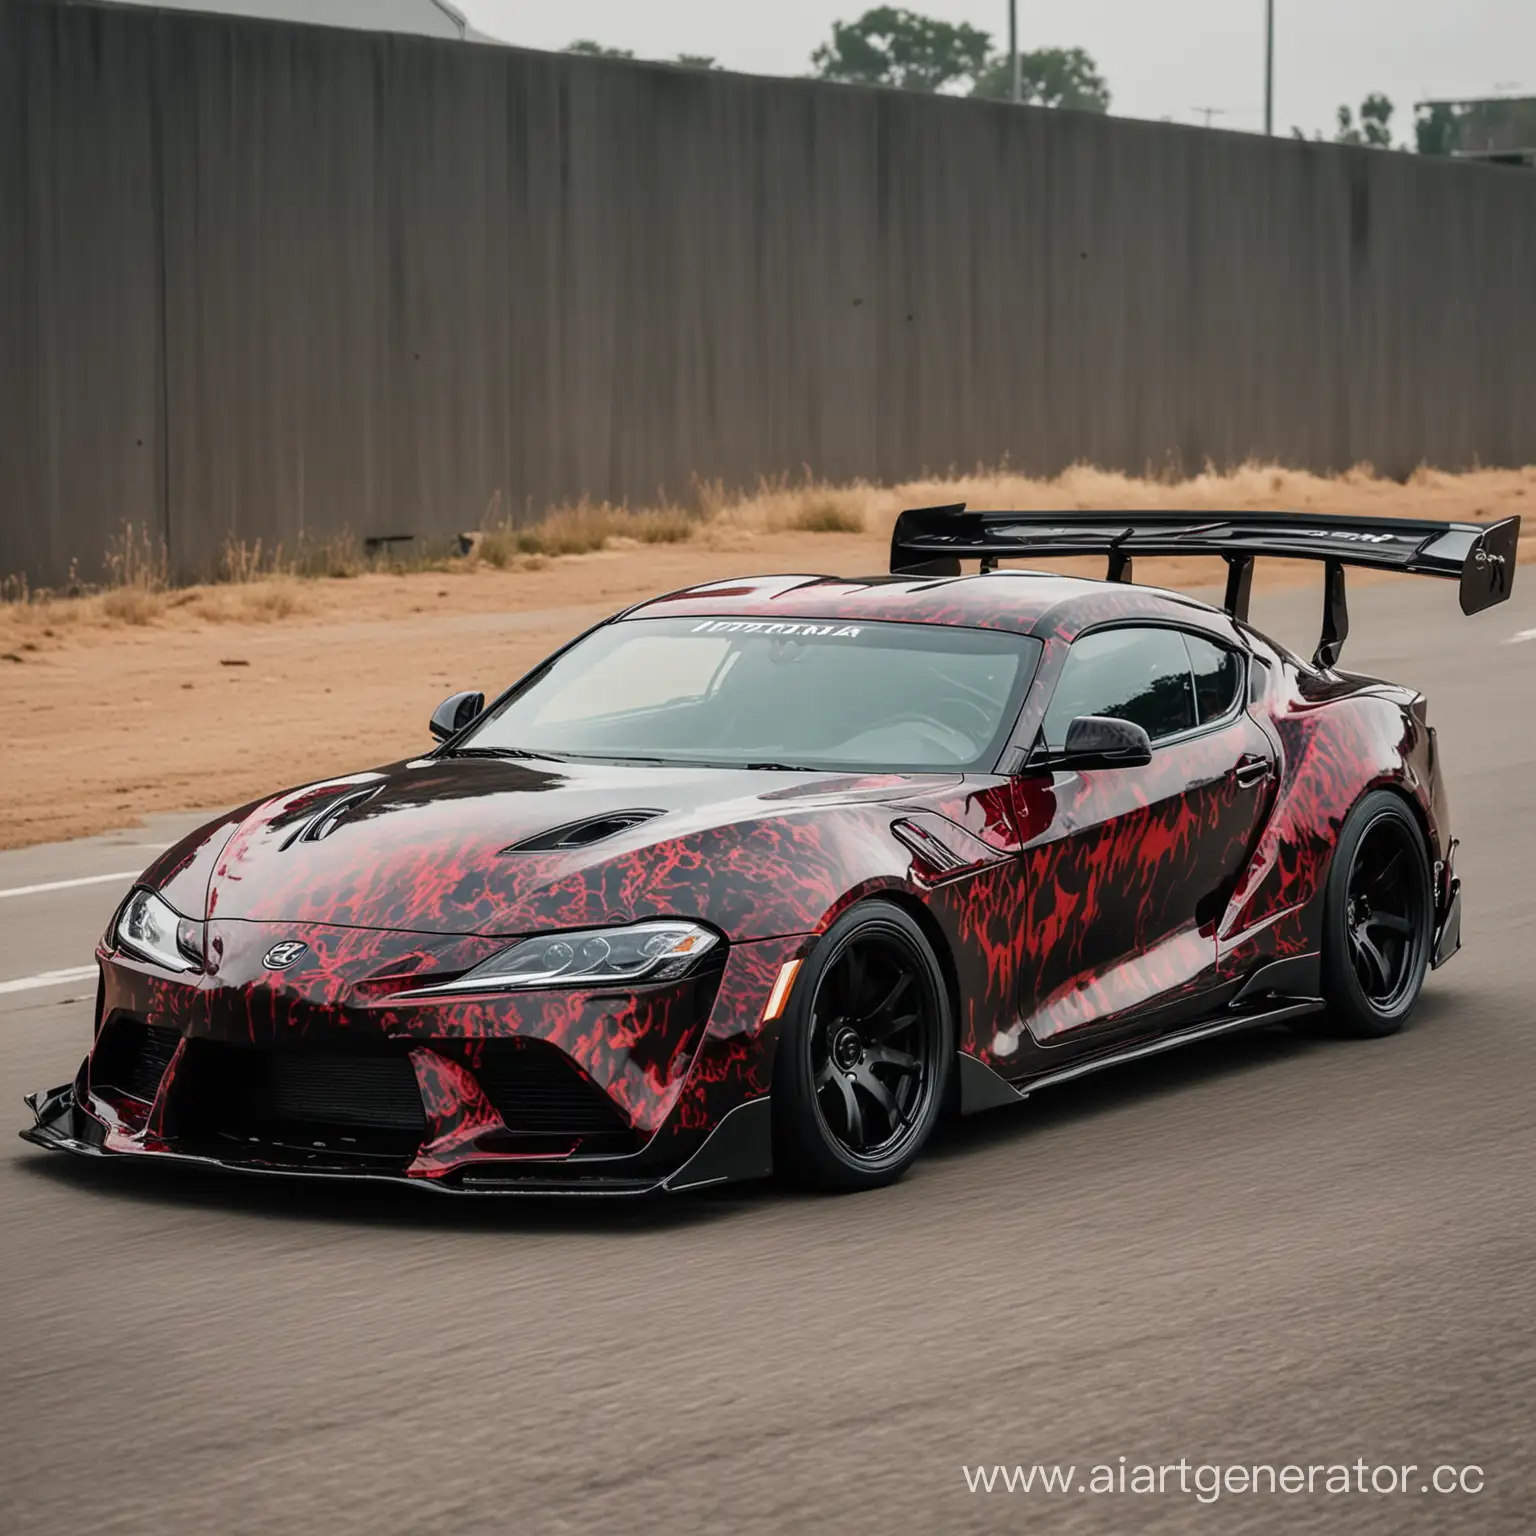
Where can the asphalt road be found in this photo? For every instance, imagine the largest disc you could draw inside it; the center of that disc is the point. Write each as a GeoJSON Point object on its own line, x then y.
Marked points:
{"type": "Point", "coordinates": [1262, 1251]}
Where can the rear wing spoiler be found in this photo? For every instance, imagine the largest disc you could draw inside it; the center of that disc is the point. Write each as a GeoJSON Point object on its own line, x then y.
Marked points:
{"type": "Point", "coordinates": [932, 541]}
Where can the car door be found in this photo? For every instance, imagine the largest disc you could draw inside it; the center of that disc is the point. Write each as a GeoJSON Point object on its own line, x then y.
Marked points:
{"type": "Point", "coordinates": [1128, 869]}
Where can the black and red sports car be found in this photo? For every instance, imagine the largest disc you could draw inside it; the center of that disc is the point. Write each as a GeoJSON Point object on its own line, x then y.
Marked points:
{"type": "Point", "coordinates": [762, 875]}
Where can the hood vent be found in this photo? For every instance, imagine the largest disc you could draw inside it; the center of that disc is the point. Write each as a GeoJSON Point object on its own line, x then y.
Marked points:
{"type": "Point", "coordinates": [582, 834]}
{"type": "Point", "coordinates": [325, 820]}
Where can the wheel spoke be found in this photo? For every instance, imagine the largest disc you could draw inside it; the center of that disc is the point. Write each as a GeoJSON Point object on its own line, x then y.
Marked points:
{"type": "Point", "coordinates": [851, 1110]}
{"type": "Point", "coordinates": [853, 980]}
{"type": "Point", "coordinates": [888, 1003]}
{"type": "Point", "coordinates": [1362, 966]}
{"type": "Point", "coordinates": [1383, 876]}
{"type": "Point", "coordinates": [865, 1079]}
{"type": "Point", "coordinates": [898, 1061]}
{"type": "Point", "coordinates": [1374, 961]}
{"type": "Point", "coordinates": [1390, 921]}
{"type": "Point", "coordinates": [886, 1028]}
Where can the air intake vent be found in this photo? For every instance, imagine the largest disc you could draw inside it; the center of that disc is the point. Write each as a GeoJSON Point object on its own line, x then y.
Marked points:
{"type": "Point", "coordinates": [325, 820]}
{"type": "Point", "coordinates": [325, 823]}
{"type": "Point", "coordinates": [536, 1088]}
{"type": "Point", "coordinates": [581, 834]}
{"type": "Point", "coordinates": [131, 1057]}
{"type": "Point", "coordinates": [378, 1092]}
{"type": "Point", "coordinates": [363, 1103]}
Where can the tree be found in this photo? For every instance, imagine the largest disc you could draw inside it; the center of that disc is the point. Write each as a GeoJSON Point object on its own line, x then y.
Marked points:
{"type": "Point", "coordinates": [585, 45]}
{"type": "Point", "coordinates": [891, 46]}
{"type": "Point", "coordinates": [1050, 77]}
{"type": "Point", "coordinates": [696, 61]}
{"type": "Point", "coordinates": [1435, 125]}
{"type": "Point", "coordinates": [1482, 125]}
{"type": "Point", "coordinates": [1375, 126]}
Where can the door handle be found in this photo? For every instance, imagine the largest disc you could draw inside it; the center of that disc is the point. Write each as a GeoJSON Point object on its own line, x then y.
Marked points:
{"type": "Point", "coordinates": [1252, 769]}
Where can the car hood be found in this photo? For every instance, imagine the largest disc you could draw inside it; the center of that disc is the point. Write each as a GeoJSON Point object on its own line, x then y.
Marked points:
{"type": "Point", "coordinates": [504, 846]}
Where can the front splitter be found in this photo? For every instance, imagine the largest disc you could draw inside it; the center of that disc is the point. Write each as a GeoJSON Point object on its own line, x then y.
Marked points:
{"type": "Point", "coordinates": [739, 1148]}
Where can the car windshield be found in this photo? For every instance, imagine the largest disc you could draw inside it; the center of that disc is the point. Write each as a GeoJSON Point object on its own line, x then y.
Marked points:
{"type": "Point", "coordinates": [817, 694]}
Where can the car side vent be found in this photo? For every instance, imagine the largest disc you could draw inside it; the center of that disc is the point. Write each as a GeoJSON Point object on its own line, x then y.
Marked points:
{"type": "Point", "coordinates": [581, 834]}
{"type": "Point", "coordinates": [938, 855]}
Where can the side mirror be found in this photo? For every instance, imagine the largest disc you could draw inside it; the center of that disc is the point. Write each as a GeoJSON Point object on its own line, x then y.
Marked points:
{"type": "Point", "coordinates": [1102, 741]}
{"type": "Point", "coordinates": [454, 713]}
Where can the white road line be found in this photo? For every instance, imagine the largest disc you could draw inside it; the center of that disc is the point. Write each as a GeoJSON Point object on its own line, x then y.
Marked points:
{"type": "Point", "coordinates": [48, 979]}
{"type": "Point", "coordinates": [64, 885]}
{"type": "Point", "coordinates": [1525, 634]}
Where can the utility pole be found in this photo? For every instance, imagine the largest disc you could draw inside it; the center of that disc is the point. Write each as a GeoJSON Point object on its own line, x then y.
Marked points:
{"type": "Point", "coordinates": [1016, 93]}
{"type": "Point", "coordinates": [1269, 68]}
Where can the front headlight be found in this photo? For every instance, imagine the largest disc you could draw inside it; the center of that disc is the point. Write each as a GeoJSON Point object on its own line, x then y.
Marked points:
{"type": "Point", "coordinates": [654, 951]}
{"type": "Point", "coordinates": [151, 929]}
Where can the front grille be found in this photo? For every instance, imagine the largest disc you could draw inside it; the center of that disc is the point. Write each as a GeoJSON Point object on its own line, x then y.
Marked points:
{"type": "Point", "coordinates": [377, 1091]}
{"type": "Point", "coordinates": [366, 1103]}
{"type": "Point", "coordinates": [539, 1090]}
{"type": "Point", "coordinates": [130, 1058]}
{"type": "Point", "coordinates": [359, 1103]}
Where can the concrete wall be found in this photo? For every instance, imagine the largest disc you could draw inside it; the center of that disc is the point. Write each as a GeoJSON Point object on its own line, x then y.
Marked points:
{"type": "Point", "coordinates": [265, 279]}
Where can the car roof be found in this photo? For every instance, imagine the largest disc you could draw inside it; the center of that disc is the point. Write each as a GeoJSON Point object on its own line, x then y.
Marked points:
{"type": "Point", "coordinates": [1046, 604]}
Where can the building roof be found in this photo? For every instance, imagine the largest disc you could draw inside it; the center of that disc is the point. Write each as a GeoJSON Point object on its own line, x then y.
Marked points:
{"type": "Point", "coordinates": [418, 18]}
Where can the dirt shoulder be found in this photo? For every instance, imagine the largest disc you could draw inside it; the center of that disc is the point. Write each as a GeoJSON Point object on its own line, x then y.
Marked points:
{"type": "Point", "coordinates": [219, 695]}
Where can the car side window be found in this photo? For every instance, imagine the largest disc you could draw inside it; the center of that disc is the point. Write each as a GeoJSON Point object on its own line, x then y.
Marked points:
{"type": "Point", "coordinates": [1218, 675]}
{"type": "Point", "coordinates": [1137, 674]}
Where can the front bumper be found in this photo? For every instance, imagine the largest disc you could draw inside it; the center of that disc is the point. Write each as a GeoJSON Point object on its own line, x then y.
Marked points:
{"type": "Point", "coordinates": [334, 1069]}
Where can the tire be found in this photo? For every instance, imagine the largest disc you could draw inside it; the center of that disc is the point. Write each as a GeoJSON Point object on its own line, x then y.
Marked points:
{"type": "Point", "coordinates": [1378, 920]}
{"type": "Point", "coordinates": [865, 1054]}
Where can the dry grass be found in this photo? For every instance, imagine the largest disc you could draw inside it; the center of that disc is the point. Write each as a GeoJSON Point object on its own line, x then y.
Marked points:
{"type": "Point", "coordinates": [825, 514]}
{"type": "Point", "coordinates": [258, 602]}
{"type": "Point", "coordinates": [254, 583]}
{"type": "Point", "coordinates": [402, 633]}
{"type": "Point", "coordinates": [580, 529]}
{"type": "Point", "coordinates": [1478, 495]}
{"type": "Point", "coordinates": [136, 561]}
{"type": "Point", "coordinates": [132, 605]}
{"type": "Point", "coordinates": [338, 556]}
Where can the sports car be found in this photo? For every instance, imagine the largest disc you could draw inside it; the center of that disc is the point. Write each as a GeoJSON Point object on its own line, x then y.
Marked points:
{"type": "Point", "coordinates": [767, 875]}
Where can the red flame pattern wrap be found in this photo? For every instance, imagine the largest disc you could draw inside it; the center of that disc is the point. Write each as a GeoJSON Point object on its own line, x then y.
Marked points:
{"type": "Point", "coordinates": [1066, 907]}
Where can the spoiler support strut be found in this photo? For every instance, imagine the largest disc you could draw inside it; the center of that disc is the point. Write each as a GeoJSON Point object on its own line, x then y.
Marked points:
{"type": "Point", "coordinates": [1335, 617]}
{"type": "Point", "coordinates": [1239, 587]}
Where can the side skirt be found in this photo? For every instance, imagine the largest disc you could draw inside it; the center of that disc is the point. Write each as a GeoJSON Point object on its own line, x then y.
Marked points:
{"type": "Point", "coordinates": [983, 1088]}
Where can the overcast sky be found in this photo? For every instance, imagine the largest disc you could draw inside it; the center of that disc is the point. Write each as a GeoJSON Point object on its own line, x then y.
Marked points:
{"type": "Point", "coordinates": [1162, 58]}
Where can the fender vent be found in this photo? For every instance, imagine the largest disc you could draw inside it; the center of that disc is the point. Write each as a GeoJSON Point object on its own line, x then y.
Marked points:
{"type": "Point", "coordinates": [581, 834]}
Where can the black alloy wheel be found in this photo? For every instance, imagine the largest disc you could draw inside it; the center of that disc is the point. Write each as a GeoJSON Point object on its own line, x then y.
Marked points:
{"type": "Point", "coordinates": [1378, 918]}
{"type": "Point", "coordinates": [864, 1055]}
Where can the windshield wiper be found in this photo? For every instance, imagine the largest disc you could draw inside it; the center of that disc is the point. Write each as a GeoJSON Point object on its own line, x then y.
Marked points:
{"type": "Point", "coordinates": [622, 757]}
{"type": "Point", "coordinates": [780, 768]}
{"type": "Point", "coordinates": [517, 752]}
